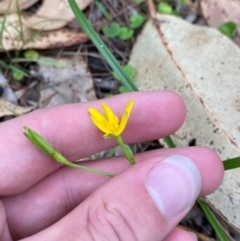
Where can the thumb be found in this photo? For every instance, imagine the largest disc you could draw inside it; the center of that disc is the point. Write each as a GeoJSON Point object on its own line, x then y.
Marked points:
{"type": "Point", "coordinates": [143, 203]}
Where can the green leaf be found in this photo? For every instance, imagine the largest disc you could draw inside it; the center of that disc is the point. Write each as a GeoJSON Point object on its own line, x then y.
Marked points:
{"type": "Point", "coordinates": [18, 75]}
{"type": "Point", "coordinates": [31, 54]}
{"type": "Point", "coordinates": [165, 8]}
{"type": "Point", "coordinates": [229, 29]}
{"type": "Point", "coordinates": [123, 89]}
{"type": "Point", "coordinates": [111, 30]}
{"type": "Point", "coordinates": [231, 163]}
{"type": "Point", "coordinates": [128, 69]}
{"type": "Point", "coordinates": [136, 21]}
{"type": "Point", "coordinates": [125, 33]}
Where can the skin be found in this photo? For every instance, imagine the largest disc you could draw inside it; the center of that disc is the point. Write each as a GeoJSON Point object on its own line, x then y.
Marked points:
{"type": "Point", "coordinates": [41, 200]}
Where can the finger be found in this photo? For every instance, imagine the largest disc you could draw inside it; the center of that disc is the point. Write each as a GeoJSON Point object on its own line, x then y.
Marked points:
{"type": "Point", "coordinates": [145, 202]}
{"type": "Point", "coordinates": [4, 232]}
{"type": "Point", "coordinates": [71, 131]}
{"type": "Point", "coordinates": [178, 234]}
{"type": "Point", "coordinates": [70, 187]}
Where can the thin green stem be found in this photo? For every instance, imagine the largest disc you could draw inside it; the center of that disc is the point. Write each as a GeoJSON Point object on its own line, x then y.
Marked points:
{"type": "Point", "coordinates": [49, 150]}
{"type": "Point", "coordinates": [120, 142]}
{"type": "Point", "coordinates": [60, 158]}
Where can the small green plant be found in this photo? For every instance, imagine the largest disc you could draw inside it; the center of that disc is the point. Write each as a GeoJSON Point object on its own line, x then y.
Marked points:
{"type": "Point", "coordinates": [166, 8]}
{"type": "Point", "coordinates": [130, 71]}
{"type": "Point", "coordinates": [136, 21]}
{"type": "Point", "coordinates": [125, 33]}
{"type": "Point", "coordinates": [112, 30]}
{"type": "Point", "coordinates": [229, 29]}
{"type": "Point", "coordinates": [18, 75]}
{"type": "Point", "coordinates": [31, 54]}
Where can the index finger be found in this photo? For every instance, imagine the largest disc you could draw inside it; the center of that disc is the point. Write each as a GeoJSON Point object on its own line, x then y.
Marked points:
{"type": "Point", "coordinates": [70, 130]}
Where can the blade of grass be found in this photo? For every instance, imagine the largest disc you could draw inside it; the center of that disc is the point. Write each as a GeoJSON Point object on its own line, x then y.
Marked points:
{"type": "Point", "coordinates": [212, 220]}
{"type": "Point", "coordinates": [102, 9]}
{"type": "Point", "coordinates": [231, 163]}
{"type": "Point", "coordinates": [169, 142]}
{"type": "Point", "coordinates": [3, 28]}
{"type": "Point", "coordinates": [13, 68]}
{"type": "Point", "coordinates": [102, 48]}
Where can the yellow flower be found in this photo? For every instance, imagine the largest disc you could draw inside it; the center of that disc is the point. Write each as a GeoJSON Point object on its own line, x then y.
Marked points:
{"type": "Point", "coordinates": [109, 124]}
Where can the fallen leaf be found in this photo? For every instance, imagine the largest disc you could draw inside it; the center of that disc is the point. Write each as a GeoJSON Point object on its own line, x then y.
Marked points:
{"type": "Point", "coordinates": [69, 84]}
{"type": "Point", "coordinates": [7, 108]}
{"type": "Point", "coordinates": [13, 5]}
{"type": "Point", "coordinates": [53, 14]}
{"type": "Point", "coordinates": [217, 12]}
{"type": "Point", "coordinates": [14, 32]}
{"type": "Point", "coordinates": [203, 66]}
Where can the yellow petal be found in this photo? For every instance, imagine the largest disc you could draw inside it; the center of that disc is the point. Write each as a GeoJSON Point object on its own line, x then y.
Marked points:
{"type": "Point", "coordinates": [100, 126]}
{"type": "Point", "coordinates": [109, 114]}
{"type": "Point", "coordinates": [125, 116]}
{"type": "Point", "coordinates": [95, 114]}
{"type": "Point", "coordinates": [99, 120]}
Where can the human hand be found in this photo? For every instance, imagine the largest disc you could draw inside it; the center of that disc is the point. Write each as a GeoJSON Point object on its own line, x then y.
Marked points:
{"type": "Point", "coordinates": [143, 202]}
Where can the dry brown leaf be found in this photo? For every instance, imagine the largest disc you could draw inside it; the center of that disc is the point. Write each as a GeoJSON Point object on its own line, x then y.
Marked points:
{"type": "Point", "coordinates": [69, 83]}
{"type": "Point", "coordinates": [7, 108]}
{"type": "Point", "coordinates": [11, 5]}
{"type": "Point", "coordinates": [53, 14]}
{"type": "Point", "coordinates": [203, 66]}
{"type": "Point", "coordinates": [217, 12]}
{"type": "Point", "coordinates": [43, 40]}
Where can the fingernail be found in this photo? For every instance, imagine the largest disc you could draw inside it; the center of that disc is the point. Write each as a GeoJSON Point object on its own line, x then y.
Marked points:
{"type": "Point", "coordinates": [174, 185]}
{"type": "Point", "coordinates": [194, 236]}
